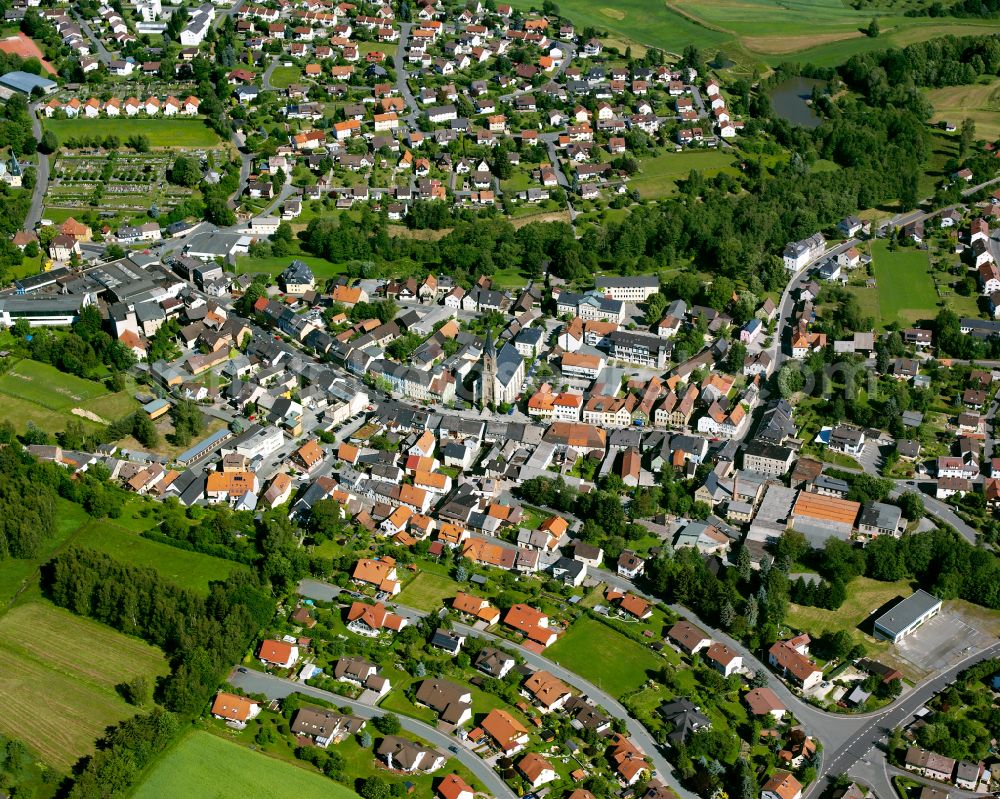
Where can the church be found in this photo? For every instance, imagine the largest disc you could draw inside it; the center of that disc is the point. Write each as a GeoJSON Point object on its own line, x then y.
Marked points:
{"type": "Point", "coordinates": [502, 373]}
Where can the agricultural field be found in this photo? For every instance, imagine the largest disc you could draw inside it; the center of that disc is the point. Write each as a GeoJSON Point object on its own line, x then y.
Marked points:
{"type": "Point", "coordinates": [192, 570]}
{"type": "Point", "coordinates": [39, 393]}
{"type": "Point", "coordinates": [979, 102]}
{"type": "Point", "coordinates": [203, 764]}
{"type": "Point", "coordinates": [750, 32]}
{"type": "Point", "coordinates": [906, 290]}
{"type": "Point", "coordinates": [608, 659]}
{"type": "Point", "coordinates": [187, 134]}
{"type": "Point", "coordinates": [59, 672]}
{"type": "Point", "coordinates": [658, 176]}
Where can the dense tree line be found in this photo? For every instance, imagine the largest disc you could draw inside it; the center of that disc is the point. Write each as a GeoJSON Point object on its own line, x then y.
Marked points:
{"type": "Point", "coordinates": [891, 77]}
{"type": "Point", "coordinates": [203, 636]}
{"type": "Point", "coordinates": [84, 350]}
{"type": "Point", "coordinates": [123, 753]}
{"type": "Point", "coordinates": [24, 526]}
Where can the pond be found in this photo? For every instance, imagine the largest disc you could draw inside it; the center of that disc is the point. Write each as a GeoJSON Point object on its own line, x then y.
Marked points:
{"type": "Point", "coordinates": [789, 101]}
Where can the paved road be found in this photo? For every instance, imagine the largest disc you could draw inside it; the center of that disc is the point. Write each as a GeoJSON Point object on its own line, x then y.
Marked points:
{"type": "Point", "coordinates": [265, 80]}
{"type": "Point", "coordinates": [402, 87]}
{"type": "Point", "coordinates": [102, 51]}
{"type": "Point", "coordinates": [840, 759]}
{"type": "Point", "coordinates": [639, 734]}
{"type": "Point", "coordinates": [278, 688]}
{"type": "Point", "coordinates": [41, 176]}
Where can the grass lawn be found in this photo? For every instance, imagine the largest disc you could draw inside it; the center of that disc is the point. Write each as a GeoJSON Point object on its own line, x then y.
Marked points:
{"type": "Point", "coordinates": [906, 289]}
{"type": "Point", "coordinates": [606, 658]}
{"type": "Point", "coordinates": [59, 671]}
{"type": "Point", "coordinates": [428, 591]}
{"type": "Point", "coordinates": [979, 102]}
{"type": "Point", "coordinates": [192, 570]}
{"type": "Point", "coordinates": [283, 77]}
{"type": "Point", "coordinates": [37, 392]}
{"type": "Point", "coordinates": [47, 386]}
{"type": "Point", "coordinates": [274, 265]}
{"type": "Point", "coordinates": [166, 133]}
{"type": "Point", "coordinates": [658, 176]}
{"type": "Point", "coordinates": [205, 765]}
{"type": "Point", "coordinates": [864, 595]}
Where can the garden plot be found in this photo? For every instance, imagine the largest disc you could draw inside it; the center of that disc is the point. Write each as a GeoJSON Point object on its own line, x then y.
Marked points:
{"type": "Point", "coordinates": [119, 184]}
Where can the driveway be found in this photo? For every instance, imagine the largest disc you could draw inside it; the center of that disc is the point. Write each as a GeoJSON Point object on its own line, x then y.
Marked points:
{"type": "Point", "coordinates": [255, 682]}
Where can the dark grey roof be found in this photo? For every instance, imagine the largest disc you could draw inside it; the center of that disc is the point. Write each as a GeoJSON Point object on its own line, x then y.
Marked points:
{"type": "Point", "coordinates": [898, 618]}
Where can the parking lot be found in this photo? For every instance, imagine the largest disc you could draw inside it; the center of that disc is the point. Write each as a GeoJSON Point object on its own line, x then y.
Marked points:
{"type": "Point", "coordinates": [941, 641]}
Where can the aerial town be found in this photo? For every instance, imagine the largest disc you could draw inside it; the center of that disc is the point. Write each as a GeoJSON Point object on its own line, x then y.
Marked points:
{"type": "Point", "coordinates": [478, 401]}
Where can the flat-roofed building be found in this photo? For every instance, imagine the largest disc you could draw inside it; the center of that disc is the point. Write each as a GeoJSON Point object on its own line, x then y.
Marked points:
{"type": "Point", "coordinates": [902, 619]}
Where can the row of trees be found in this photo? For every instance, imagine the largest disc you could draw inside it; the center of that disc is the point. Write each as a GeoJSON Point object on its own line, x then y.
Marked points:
{"type": "Point", "coordinates": [203, 636]}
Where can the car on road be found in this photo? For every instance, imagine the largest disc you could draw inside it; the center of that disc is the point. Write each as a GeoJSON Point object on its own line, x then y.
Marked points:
{"type": "Point", "coordinates": [453, 748]}
{"type": "Point", "coordinates": [242, 670]}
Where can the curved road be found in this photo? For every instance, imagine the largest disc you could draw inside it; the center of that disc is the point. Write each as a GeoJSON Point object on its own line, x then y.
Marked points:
{"type": "Point", "coordinates": [256, 682]}
{"type": "Point", "coordinates": [640, 735]}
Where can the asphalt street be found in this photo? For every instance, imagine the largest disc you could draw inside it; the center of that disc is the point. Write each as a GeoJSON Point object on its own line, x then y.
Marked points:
{"type": "Point", "coordinates": [256, 682]}
{"type": "Point", "coordinates": [639, 734]}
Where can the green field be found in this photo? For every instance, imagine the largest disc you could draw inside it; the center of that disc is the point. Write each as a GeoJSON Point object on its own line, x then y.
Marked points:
{"type": "Point", "coordinates": [203, 765]}
{"type": "Point", "coordinates": [274, 265]}
{"type": "Point", "coordinates": [192, 132]}
{"type": "Point", "coordinates": [864, 595]}
{"type": "Point", "coordinates": [658, 176]}
{"type": "Point", "coordinates": [283, 77]}
{"type": "Point", "coordinates": [428, 591]}
{"type": "Point", "coordinates": [906, 290]}
{"type": "Point", "coordinates": [608, 659]}
{"type": "Point", "coordinates": [57, 679]}
{"type": "Point", "coordinates": [17, 575]}
{"type": "Point", "coordinates": [40, 393]}
{"type": "Point", "coordinates": [47, 386]}
{"type": "Point", "coordinates": [979, 102]}
{"type": "Point", "coordinates": [824, 32]}
{"type": "Point", "coordinates": [192, 570]}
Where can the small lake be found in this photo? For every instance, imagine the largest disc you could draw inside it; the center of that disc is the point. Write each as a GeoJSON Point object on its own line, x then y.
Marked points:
{"type": "Point", "coordinates": [788, 100]}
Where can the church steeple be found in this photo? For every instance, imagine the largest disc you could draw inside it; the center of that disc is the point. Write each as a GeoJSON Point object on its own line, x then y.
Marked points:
{"type": "Point", "coordinates": [487, 393]}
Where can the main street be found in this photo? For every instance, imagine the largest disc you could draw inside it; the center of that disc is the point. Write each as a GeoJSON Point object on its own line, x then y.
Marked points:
{"type": "Point", "coordinates": [841, 759]}
{"type": "Point", "coordinates": [640, 735]}
{"type": "Point", "coordinates": [255, 682]}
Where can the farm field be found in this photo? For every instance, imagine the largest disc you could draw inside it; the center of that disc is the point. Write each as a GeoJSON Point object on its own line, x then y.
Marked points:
{"type": "Point", "coordinates": [39, 393]}
{"type": "Point", "coordinates": [906, 289]}
{"type": "Point", "coordinates": [428, 591]}
{"type": "Point", "coordinates": [608, 659]}
{"type": "Point", "coordinates": [823, 32]}
{"type": "Point", "coordinates": [59, 671]}
{"type": "Point", "coordinates": [186, 133]}
{"type": "Point", "coordinates": [979, 102]}
{"type": "Point", "coordinates": [658, 176]}
{"type": "Point", "coordinates": [192, 570]}
{"type": "Point", "coordinates": [205, 765]}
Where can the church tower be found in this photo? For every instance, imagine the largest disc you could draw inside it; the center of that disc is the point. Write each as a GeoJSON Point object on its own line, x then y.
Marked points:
{"type": "Point", "coordinates": [487, 392]}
